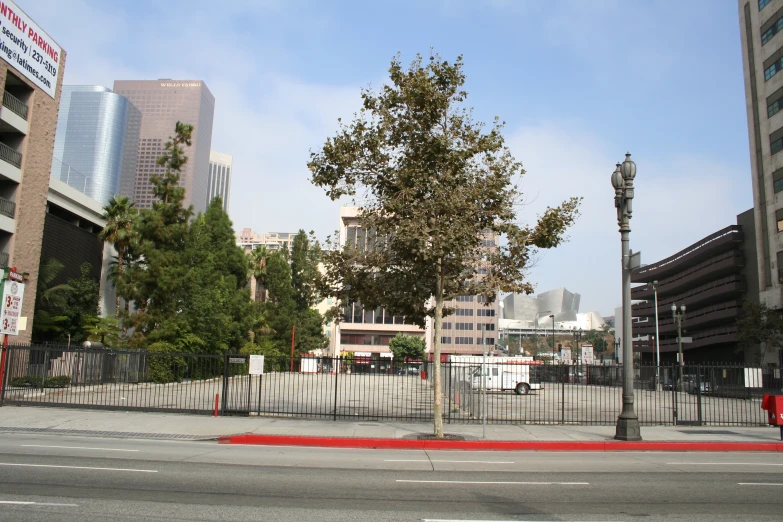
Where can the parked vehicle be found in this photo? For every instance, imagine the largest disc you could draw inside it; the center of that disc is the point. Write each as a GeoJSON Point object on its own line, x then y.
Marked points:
{"type": "Point", "coordinates": [506, 376]}
{"type": "Point", "coordinates": [694, 383]}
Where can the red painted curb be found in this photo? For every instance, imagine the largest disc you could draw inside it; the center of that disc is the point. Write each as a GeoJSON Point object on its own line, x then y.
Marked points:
{"type": "Point", "coordinates": [503, 445]}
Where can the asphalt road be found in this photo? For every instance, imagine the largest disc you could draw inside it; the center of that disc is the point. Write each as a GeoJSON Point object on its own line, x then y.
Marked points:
{"type": "Point", "coordinates": [45, 477]}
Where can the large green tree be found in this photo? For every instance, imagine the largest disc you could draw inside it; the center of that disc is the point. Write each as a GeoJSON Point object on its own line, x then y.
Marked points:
{"type": "Point", "coordinates": [407, 348]}
{"type": "Point", "coordinates": [305, 256]}
{"type": "Point", "coordinates": [759, 327]}
{"type": "Point", "coordinates": [257, 271]}
{"type": "Point", "coordinates": [434, 185]}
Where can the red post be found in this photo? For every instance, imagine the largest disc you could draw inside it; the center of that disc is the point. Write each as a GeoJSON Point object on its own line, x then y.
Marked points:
{"type": "Point", "coordinates": [217, 401]}
{"type": "Point", "coordinates": [293, 336]}
{"type": "Point", "coordinates": [2, 359]}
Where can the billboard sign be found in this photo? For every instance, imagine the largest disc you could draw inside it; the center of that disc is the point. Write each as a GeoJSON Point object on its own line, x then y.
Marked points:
{"type": "Point", "coordinates": [28, 49]}
{"type": "Point", "coordinates": [587, 354]}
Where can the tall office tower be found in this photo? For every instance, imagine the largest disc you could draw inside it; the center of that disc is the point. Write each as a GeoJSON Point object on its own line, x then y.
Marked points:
{"type": "Point", "coordinates": [761, 21]}
{"type": "Point", "coordinates": [219, 182]}
{"type": "Point", "coordinates": [28, 117]}
{"type": "Point", "coordinates": [97, 141]}
{"type": "Point", "coordinates": [162, 104]}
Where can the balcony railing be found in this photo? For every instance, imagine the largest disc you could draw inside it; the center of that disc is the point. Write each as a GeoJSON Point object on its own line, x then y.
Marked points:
{"type": "Point", "coordinates": [10, 155]}
{"type": "Point", "coordinates": [3, 259]}
{"type": "Point", "coordinates": [15, 105]}
{"type": "Point", "coordinates": [7, 208]}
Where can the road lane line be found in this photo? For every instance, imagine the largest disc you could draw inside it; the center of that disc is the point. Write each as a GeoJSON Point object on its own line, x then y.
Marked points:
{"type": "Point", "coordinates": [21, 503]}
{"type": "Point", "coordinates": [758, 484]}
{"type": "Point", "coordinates": [492, 482]}
{"type": "Point", "coordinates": [455, 461]}
{"type": "Point", "coordinates": [76, 467]}
{"type": "Point", "coordinates": [74, 447]}
{"type": "Point", "coordinates": [723, 464]}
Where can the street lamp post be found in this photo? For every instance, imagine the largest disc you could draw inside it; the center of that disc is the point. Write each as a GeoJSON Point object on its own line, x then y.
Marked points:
{"type": "Point", "coordinates": [657, 339]}
{"type": "Point", "coordinates": [553, 337]}
{"type": "Point", "coordinates": [616, 345]}
{"type": "Point", "coordinates": [577, 339]}
{"type": "Point", "coordinates": [678, 317]}
{"type": "Point", "coordinates": [622, 180]}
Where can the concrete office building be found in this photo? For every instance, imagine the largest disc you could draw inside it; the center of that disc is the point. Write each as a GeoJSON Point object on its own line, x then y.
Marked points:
{"type": "Point", "coordinates": [249, 240]}
{"type": "Point", "coordinates": [162, 104]}
{"type": "Point", "coordinates": [219, 181]}
{"type": "Point", "coordinates": [28, 119]}
{"type": "Point", "coordinates": [97, 141]}
{"type": "Point", "coordinates": [761, 25]}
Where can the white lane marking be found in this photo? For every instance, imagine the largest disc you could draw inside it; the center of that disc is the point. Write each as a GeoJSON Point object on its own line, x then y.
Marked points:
{"type": "Point", "coordinates": [74, 447]}
{"type": "Point", "coordinates": [21, 503]}
{"type": "Point", "coordinates": [758, 484]}
{"type": "Point", "coordinates": [454, 461]}
{"type": "Point", "coordinates": [493, 482]}
{"type": "Point", "coordinates": [76, 467]}
{"type": "Point", "coordinates": [724, 463]}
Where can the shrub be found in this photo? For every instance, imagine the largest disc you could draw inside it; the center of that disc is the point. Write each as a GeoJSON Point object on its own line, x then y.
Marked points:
{"type": "Point", "coordinates": [35, 381]}
{"type": "Point", "coordinates": [165, 367]}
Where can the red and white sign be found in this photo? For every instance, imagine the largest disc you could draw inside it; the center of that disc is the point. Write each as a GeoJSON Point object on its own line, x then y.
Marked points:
{"type": "Point", "coordinates": [28, 49]}
{"type": "Point", "coordinates": [11, 309]}
{"type": "Point", "coordinates": [587, 354]}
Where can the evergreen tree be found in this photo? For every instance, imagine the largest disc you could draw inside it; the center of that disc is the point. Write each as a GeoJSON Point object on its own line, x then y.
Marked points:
{"type": "Point", "coordinates": [119, 231]}
{"type": "Point", "coordinates": [305, 256]}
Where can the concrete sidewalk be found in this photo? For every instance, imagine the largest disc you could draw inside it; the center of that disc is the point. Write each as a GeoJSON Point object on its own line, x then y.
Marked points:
{"type": "Point", "coordinates": [166, 425]}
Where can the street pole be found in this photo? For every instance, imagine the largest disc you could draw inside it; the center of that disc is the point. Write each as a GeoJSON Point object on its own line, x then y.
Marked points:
{"type": "Point", "coordinates": [657, 340]}
{"type": "Point", "coordinates": [553, 338]}
{"type": "Point", "coordinates": [484, 384]}
{"type": "Point", "coordinates": [628, 427]}
{"type": "Point", "coordinates": [678, 318]}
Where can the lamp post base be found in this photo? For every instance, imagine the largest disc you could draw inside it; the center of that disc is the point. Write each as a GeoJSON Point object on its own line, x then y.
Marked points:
{"type": "Point", "coordinates": [628, 429]}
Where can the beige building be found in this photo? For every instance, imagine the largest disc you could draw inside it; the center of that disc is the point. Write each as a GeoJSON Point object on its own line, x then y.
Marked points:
{"type": "Point", "coordinates": [249, 240]}
{"type": "Point", "coordinates": [761, 25]}
{"type": "Point", "coordinates": [28, 121]}
{"type": "Point", "coordinates": [162, 104]}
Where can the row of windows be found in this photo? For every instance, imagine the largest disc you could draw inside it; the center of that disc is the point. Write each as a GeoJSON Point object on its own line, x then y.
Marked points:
{"type": "Point", "coordinates": [464, 326]}
{"type": "Point", "coordinates": [467, 340]}
{"type": "Point", "coordinates": [465, 298]}
{"type": "Point", "coordinates": [773, 69]}
{"type": "Point", "coordinates": [366, 339]}
{"type": "Point", "coordinates": [484, 312]}
{"type": "Point", "coordinates": [468, 326]}
{"type": "Point", "coordinates": [772, 31]}
{"type": "Point", "coordinates": [355, 313]}
{"type": "Point", "coordinates": [463, 312]}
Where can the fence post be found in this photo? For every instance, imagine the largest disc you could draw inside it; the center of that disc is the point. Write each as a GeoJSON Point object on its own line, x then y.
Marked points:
{"type": "Point", "coordinates": [674, 395]}
{"type": "Point", "coordinates": [4, 360]}
{"type": "Point", "coordinates": [336, 377]}
{"type": "Point", "coordinates": [43, 369]}
{"type": "Point", "coordinates": [698, 391]}
{"type": "Point", "coordinates": [224, 399]}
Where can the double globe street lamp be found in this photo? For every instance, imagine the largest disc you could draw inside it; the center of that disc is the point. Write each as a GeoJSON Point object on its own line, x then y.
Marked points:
{"type": "Point", "coordinates": [678, 317]}
{"type": "Point", "coordinates": [622, 180]}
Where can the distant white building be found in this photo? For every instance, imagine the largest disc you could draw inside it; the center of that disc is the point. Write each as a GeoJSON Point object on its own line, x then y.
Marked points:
{"type": "Point", "coordinates": [523, 313]}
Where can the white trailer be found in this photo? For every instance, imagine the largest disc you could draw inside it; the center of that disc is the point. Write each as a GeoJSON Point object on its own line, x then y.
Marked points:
{"type": "Point", "coordinates": [502, 373]}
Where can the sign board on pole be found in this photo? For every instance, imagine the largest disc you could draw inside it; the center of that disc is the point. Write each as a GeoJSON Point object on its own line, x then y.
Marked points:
{"type": "Point", "coordinates": [237, 360]}
{"type": "Point", "coordinates": [28, 49]}
{"type": "Point", "coordinates": [752, 377]}
{"type": "Point", "coordinates": [256, 365]}
{"type": "Point", "coordinates": [685, 340]}
{"type": "Point", "coordinates": [11, 308]}
{"type": "Point", "coordinates": [587, 354]}
{"type": "Point", "coordinates": [565, 355]}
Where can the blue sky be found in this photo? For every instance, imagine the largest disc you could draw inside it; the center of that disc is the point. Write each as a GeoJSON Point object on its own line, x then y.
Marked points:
{"type": "Point", "coordinates": [578, 83]}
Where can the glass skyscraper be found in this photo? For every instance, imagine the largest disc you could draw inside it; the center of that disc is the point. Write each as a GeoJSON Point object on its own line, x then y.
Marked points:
{"type": "Point", "coordinates": [163, 103]}
{"type": "Point", "coordinates": [219, 183]}
{"type": "Point", "coordinates": [96, 141]}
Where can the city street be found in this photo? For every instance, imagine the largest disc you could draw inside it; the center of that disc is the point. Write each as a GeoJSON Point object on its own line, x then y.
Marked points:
{"type": "Point", "coordinates": [46, 477]}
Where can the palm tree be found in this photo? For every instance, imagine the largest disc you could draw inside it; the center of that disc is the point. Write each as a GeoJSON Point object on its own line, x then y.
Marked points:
{"type": "Point", "coordinates": [49, 301]}
{"type": "Point", "coordinates": [119, 215]}
{"type": "Point", "coordinates": [258, 259]}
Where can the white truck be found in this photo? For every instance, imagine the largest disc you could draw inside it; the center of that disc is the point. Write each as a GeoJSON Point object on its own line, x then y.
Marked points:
{"type": "Point", "coordinates": [502, 373]}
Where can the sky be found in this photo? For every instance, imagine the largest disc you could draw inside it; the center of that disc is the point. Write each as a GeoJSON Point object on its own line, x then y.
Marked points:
{"type": "Point", "coordinates": [578, 84]}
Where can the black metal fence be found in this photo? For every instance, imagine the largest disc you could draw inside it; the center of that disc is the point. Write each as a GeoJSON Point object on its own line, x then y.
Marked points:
{"type": "Point", "coordinates": [312, 387]}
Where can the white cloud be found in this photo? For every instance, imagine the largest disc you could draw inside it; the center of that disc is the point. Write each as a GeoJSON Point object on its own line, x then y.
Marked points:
{"type": "Point", "coordinates": [678, 201]}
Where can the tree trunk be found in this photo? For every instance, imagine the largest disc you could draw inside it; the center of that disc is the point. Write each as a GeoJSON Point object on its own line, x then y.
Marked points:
{"type": "Point", "coordinates": [437, 408]}
{"type": "Point", "coordinates": [119, 277]}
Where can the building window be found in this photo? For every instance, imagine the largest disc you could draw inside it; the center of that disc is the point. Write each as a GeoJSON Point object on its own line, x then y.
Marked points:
{"type": "Point", "coordinates": [779, 219]}
{"type": "Point", "coordinates": [772, 31]}
{"type": "Point", "coordinates": [780, 266]}
{"type": "Point", "coordinates": [445, 340]}
{"type": "Point", "coordinates": [777, 177]}
{"type": "Point", "coordinates": [487, 326]}
{"type": "Point", "coordinates": [446, 326]}
{"type": "Point", "coordinates": [461, 312]}
{"type": "Point", "coordinates": [464, 298]}
{"type": "Point", "coordinates": [763, 4]}
{"type": "Point", "coordinates": [463, 340]}
{"type": "Point", "coordinates": [464, 326]}
{"type": "Point", "coordinates": [776, 146]}
{"type": "Point", "coordinates": [773, 108]}
{"type": "Point", "coordinates": [487, 340]}
{"type": "Point", "coordinates": [772, 70]}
